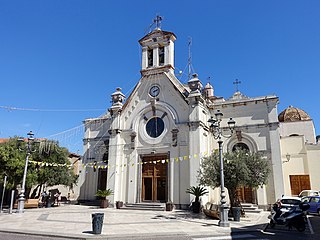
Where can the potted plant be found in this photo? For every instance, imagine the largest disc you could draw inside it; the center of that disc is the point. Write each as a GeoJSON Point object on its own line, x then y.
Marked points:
{"type": "Point", "coordinates": [169, 206]}
{"type": "Point", "coordinates": [119, 204]}
{"type": "Point", "coordinates": [103, 194]}
{"type": "Point", "coordinates": [197, 191]}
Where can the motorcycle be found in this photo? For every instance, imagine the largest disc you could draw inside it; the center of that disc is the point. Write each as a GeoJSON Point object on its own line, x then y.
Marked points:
{"type": "Point", "coordinates": [295, 217]}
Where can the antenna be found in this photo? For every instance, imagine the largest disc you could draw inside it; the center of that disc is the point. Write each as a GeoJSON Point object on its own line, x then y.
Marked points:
{"type": "Point", "coordinates": [189, 57]}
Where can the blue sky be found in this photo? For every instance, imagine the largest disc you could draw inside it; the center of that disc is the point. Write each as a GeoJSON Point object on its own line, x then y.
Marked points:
{"type": "Point", "coordinates": [71, 55]}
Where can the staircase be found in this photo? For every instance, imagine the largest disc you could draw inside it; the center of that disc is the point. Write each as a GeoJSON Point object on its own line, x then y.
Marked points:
{"type": "Point", "coordinates": [145, 206]}
{"type": "Point", "coordinates": [250, 208]}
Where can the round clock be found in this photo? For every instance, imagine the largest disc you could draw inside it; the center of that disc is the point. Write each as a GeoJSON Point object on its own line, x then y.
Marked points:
{"type": "Point", "coordinates": [154, 91]}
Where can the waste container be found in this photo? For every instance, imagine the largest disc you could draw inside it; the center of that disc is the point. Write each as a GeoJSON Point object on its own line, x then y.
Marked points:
{"type": "Point", "coordinates": [236, 211]}
{"type": "Point", "coordinates": [97, 222]}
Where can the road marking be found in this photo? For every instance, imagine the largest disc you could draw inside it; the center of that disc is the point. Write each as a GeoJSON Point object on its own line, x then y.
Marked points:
{"type": "Point", "coordinates": [310, 226]}
{"type": "Point", "coordinates": [244, 236]}
{"type": "Point", "coordinates": [265, 232]}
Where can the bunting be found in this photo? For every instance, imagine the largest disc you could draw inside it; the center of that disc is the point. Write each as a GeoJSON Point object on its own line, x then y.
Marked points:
{"type": "Point", "coordinates": [97, 165]}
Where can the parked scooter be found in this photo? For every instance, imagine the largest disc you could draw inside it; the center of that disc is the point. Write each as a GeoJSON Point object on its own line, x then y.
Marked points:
{"type": "Point", "coordinates": [295, 217]}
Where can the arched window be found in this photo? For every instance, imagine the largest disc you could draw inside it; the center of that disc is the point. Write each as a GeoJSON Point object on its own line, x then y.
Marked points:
{"type": "Point", "coordinates": [294, 135]}
{"type": "Point", "coordinates": [241, 146]}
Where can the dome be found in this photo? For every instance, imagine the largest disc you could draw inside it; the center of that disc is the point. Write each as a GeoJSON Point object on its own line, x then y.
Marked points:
{"type": "Point", "coordinates": [292, 114]}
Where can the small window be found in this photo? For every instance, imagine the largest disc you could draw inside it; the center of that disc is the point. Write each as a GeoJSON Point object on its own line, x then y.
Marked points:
{"type": "Point", "coordinates": [150, 57]}
{"type": "Point", "coordinates": [161, 56]}
{"type": "Point", "coordinates": [294, 135]}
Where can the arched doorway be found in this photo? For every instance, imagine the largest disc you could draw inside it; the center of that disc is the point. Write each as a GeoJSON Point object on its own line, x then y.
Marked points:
{"type": "Point", "coordinates": [245, 194]}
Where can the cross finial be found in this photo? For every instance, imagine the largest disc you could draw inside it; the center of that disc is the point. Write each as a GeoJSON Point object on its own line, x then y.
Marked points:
{"type": "Point", "coordinates": [237, 82]}
{"type": "Point", "coordinates": [157, 21]}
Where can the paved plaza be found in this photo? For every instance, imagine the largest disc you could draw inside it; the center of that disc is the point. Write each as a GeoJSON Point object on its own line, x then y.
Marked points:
{"type": "Point", "coordinates": [75, 221]}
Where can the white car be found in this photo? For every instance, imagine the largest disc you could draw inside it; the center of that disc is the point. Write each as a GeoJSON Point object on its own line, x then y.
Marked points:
{"type": "Point", "coordinates": [288, 202]}
{"type": "Point", "coordinates": [307, 193]}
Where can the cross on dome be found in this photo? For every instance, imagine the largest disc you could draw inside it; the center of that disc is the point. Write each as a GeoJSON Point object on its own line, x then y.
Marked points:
{"type": "Point", "coordinates": [237, 82]}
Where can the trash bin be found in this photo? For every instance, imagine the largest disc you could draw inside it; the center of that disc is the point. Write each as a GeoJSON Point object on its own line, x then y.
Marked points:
{"type": "Point", "coordinates": [97, 222]}
{"type": "Point", "coordinates": [236, 211]}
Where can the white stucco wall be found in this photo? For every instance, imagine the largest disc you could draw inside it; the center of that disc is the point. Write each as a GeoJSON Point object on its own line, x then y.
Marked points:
{"type": "Point", "coordinates": [302, 128]}
{"type": "Point", "coordinates": [304, 159]}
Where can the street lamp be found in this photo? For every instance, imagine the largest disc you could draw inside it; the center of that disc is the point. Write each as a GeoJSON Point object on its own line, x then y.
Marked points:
{"type": "Point", "coordinates": [21, 199]}
{"type": "Point", "coordinates": [217, 134]}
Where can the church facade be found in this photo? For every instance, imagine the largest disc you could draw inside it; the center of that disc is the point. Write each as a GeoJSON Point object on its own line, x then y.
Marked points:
{"type": "Point", "coordinates": [149, 146]}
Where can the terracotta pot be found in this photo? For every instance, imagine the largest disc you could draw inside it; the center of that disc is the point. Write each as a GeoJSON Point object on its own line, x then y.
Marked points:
{"type": "Point", "coordinates": [119, 204]}
{"type": "Point", "coordinates": [104, 203]}
{"type": "Point", "coordinates": [169, 206]}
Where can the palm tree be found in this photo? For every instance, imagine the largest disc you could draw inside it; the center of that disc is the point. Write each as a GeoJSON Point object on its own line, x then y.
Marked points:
{"type": "Point", "coordinates": [103, 194]}
{"type": "Point", "coordinates": [197, 191]}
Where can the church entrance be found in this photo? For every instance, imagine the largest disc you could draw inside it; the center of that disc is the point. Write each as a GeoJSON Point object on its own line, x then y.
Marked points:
{"type": "Point", "coordinates": [246, 195]}
{"type": "Point", "coordinates": [154, 179]}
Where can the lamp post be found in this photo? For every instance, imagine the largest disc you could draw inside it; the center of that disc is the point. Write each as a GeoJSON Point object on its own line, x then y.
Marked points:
{"type": "Point", "coordinates": [21, 199]}
{"type": "Point", "coordinates": [217, 134]}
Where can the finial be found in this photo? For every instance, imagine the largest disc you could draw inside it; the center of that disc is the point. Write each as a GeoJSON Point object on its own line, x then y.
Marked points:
{"type": "Point", "coordinates": [157, 21]}
{"type": "Point", "coordinates": [237, 82]}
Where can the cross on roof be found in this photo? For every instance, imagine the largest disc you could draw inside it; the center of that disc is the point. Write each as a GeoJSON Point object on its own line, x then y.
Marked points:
{"type": "Point", "coordinates": [157, 21]}
{"type": "Point", "coordinates": [237, 82]}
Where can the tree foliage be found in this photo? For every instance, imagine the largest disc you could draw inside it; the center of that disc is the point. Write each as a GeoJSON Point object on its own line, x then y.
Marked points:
{"type": "Point", "coordinates": [241, 168]}
{"type": "Point", "coordinates": [46, 153]}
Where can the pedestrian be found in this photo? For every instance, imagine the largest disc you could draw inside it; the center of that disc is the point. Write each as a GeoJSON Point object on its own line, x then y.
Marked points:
{"type": "Point", "coordinates": [59, 198]}
{"type": "Point", "coordinates": [44, 198]}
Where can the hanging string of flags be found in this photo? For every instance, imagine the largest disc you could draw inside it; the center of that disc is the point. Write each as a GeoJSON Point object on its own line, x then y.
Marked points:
{"type": "Point", "coordinates": [102, 165]}
{"type": "Point", "coordinates": [45, 164]}
{"type": "Point", "coordinates": [97, 165]}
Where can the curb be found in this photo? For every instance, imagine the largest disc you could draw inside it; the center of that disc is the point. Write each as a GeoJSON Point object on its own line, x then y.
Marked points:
{"type": "Point", "coordinates": [41, 234]}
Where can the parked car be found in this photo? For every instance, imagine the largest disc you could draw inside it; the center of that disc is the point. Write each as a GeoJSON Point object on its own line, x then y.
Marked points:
{"type": "Point", "coordinates": [307, 193]}
{"type": "Point", "coordinates": [288, 202]}
{"type": "Point", "coordinates": [314, 203]}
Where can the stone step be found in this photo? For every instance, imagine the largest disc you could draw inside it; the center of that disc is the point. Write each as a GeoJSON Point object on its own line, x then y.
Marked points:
{"type": "Point", "coordinates": [145, 206]}
{"type": "Point", "coordinates": [248, 205]}
{"type": "Point", "coordinates": [251, 208]}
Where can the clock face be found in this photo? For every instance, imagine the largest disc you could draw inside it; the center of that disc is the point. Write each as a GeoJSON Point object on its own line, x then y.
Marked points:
{"type": "Point", "coordinates": [154, 91]}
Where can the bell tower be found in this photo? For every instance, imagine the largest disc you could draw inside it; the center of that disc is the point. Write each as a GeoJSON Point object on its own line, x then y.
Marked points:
{"type": "Point", "coordinates": [157, 49]}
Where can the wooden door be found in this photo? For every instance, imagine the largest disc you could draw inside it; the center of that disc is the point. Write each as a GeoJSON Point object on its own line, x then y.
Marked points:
{"type": "Point", "coordinates": [299, 183]}
{"type": "Point", "coordinates": [154, 180]}
{"type": "Point", "coordinates": [102, 179]}
{"type": "Point", "coordinates": [245, 194]}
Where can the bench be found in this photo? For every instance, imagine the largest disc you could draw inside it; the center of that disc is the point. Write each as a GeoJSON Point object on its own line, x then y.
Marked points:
{"type": "Point", "coordinates": [29, 203]}
{"type": "Point", "coordinates": [211, 210]}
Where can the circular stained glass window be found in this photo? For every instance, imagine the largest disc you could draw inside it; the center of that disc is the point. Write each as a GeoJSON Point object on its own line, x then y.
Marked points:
{"type": "Point", "coordinates": [155, 127]}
